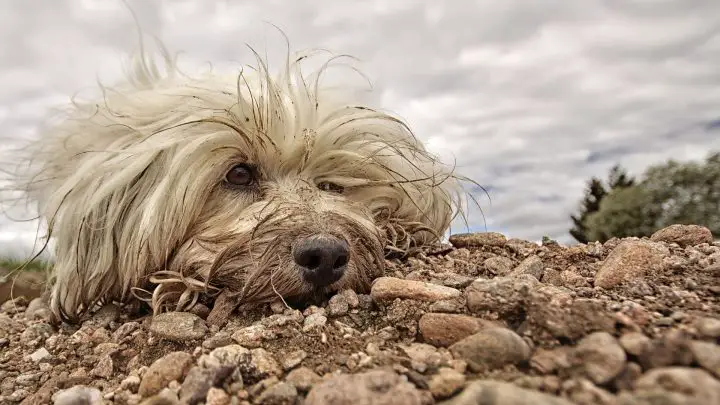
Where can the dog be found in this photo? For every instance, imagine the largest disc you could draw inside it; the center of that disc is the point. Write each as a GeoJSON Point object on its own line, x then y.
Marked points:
{"type": "Point", "coordinates": [172, 189]}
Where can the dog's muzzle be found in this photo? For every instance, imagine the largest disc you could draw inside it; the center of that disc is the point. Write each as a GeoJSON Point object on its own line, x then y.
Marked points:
{"type": "Point", "coordinates": [322, 258]}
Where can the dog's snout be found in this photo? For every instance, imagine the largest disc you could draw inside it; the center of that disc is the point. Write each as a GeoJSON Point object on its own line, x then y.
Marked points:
{"type": "Point", "coordinates": [322, 257]}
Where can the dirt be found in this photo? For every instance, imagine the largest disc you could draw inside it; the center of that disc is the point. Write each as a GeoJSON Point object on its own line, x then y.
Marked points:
{"type": "Point", "coordinates": [485, 320]}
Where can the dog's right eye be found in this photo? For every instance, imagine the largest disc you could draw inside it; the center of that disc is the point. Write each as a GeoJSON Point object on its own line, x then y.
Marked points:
{"type": "Point", "coordinates": [240, 175]}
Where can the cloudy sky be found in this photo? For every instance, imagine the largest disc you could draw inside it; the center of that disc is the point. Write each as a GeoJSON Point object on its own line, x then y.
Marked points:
{"type": "Point", "coordinates": [530, 98]}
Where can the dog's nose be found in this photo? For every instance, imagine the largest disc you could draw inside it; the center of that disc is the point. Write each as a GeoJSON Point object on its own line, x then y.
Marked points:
{"type": "Point", "coordinates": [323, 258]}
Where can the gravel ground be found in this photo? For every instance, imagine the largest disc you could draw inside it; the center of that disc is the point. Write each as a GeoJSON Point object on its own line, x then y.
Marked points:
{"type": "Point", "coordinates": [485, 320]}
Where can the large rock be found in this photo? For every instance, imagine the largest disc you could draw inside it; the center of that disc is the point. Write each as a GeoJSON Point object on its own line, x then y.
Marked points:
{"type": "Point", "coordinates": [630, 260]}
{"type": "Point", "coordinates": [462, 240]}
{"type": "Point", "coordinates": [683, 235]}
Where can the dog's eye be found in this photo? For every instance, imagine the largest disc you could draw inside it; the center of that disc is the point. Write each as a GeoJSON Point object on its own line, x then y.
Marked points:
{"type": "Point", "coordinates": [330, 187]}
{"type": "Point", "coordinates": [240, 175]}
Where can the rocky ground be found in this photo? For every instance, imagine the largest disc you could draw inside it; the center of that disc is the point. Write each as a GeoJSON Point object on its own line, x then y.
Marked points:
{"type": "Point", "coordinates": [484, 321]}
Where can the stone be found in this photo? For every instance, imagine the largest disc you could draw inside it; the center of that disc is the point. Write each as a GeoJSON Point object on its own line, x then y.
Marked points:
{"type": "Point", "coordinates": [314, 322]}
{"type": "Point", "coordinates": [683, 235]}
{"type": "Point", "coordinates": [502, 295]}
{"type": "Point", "coordinates": [40, 355]}
{"type": "Point", "coordinates": [172, 366]}
{"type": "Point", "coordinates": [217, 396]}
{"type": "Point", "coordinates": [466, 240]}
{"type": "Point", "coordinates": [251, 336]}
{"type": "Point", "coordinates": [498, 265]}
{"type": "Point", "coordinates": [491, 348]}
{"type": "Point", "coordinates": [533, 266]}
{"type": "Point", "coordinates": [695, 385]}
{"type": "Point", "coordinates": [446, 383]}
{"type": "Point", "coordinates": [598, 357]}
{"type": "Point", "coordinates": [104, 367]}
{"type": "Point", "coordinates": [631, 259]}
{"type": "Point", "coordinates": [338, 305]}
{"type": "Point", "coordinates": [634, 343]}
{"type": "Point", "coordinates": [303, 378]}
{"type": "Point", "coordinates": [490, 392]}
{"type": "Point", "coordinates": [281, 393]}
{"type": "Point", "coordinates": [292, 359]}
{"type": "Point", "coordinates": [707, 355]}
{"type": "Point", "coordinates": [78, 395]}
{"type": "Point", "coordinates": [230, 355]}
{"type": "Point", "coordinates": [199, 381]}
{"type": "Point", "coordinates": [422, 356]}
{"type": "Point", "coordinates": [386, 289]}
{"type": "Point", "coordinates": [379, 386]}
{"type": "Point", "coordinates": [178, 326]}
{"type": "Point", "coordinates": [708, 327]}
{"type": "Point", "coordinates": [265, 364]}
{"type": "Point", "coordinates": [445, 329]}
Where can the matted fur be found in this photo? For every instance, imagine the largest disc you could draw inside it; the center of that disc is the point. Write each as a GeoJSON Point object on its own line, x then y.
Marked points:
{"type": "Point", "coordinates": [131, 187]}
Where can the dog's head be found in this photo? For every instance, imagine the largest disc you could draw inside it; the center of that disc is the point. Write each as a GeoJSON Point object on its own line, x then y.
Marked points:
{"type": "Point", "coordinates": [265, 186]}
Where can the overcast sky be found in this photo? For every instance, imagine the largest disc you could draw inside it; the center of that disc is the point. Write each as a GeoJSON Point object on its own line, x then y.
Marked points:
{"type": "Point", "coordinates": [531, 98]}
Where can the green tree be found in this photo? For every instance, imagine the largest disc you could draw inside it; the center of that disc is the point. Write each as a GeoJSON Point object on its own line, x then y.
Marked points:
{"type": "Point", "coordinates": [670, 193]}
{"type": "Point", "coordinates": [595, 191]}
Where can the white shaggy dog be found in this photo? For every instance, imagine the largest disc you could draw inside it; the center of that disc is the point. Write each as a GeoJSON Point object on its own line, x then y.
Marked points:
{"type": "Point", "coordinates": [171, 189]}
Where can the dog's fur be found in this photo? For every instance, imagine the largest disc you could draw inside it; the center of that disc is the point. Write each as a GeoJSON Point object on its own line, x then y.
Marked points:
{"type": "Point", "coordinates": [132, 187]}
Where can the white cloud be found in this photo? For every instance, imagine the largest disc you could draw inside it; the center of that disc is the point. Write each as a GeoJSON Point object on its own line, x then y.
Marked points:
{"type": "Point", "coordinates": [529, 98]}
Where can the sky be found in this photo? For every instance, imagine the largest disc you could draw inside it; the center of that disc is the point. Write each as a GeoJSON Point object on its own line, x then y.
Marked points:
{"type": "Point", "coordinates": [528, 98]}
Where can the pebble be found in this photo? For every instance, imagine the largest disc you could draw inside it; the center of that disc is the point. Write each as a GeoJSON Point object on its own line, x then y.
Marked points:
{"type": "Point", "coordinates": [292, 359]}
{"type": "Point", "coordinates": [683, 235]}
{"type": "Point", "coordinates": [446, 383]}
{"type": "Point", "coordinates": [351, 298]}
{"type": "Point", "coordinates": [230, 355]}
{"type": "Point", "coordinates": [217, 396]}
{"type": "Point", "coordinates": [598, 357]}
{"type": "Point", "coordinates": [178, 326]}
{"type": "Point", "coordinates": [695, 386]}
{"type": "Point", "coordinates": [303, 378]}
{"type": "Point", "coordinates": [199, 381]}
{"type": "Point", "coordinates": [503, 295]}
{"type": "Point", "coordinates": [281, 393]}
{"type": "Point", "coordinates": [104, 367]}
{"type": "Point", "coordinates": [131, 383]}
{"type": "Point", "coordinates": [445, 329]}
{"type": "Point", "coordinates": [498, 265]}
{"type": "Point", "coordinates": [386, 289]}
{"type": "Point", "coordinates": [631, 259]}
{"type": "Point", "coordinates": [251, 336]}
{"type": "Point", "coordinates": [371, 387]}
{"type": "Point", "coordinates": [708, 327]}
{"type": "Point", "coordinates": [78, 395]}
{"type": "Point", "coordinates": [314, 321]}
{"type": "Point", "coordinates": [422, 356]}
{"type": "Point", "coordinates": [172, 366]}
{"type": "Point", "coordinates": [338, 305]}
{"type": "Point", "coordinates": [466, 240]}
{"type": "Point", "coordinates": [489, 392]}
{"type": "Point", "coordinates": [707, 355]}
{"type": "Point", "coordinates": [40, 355]}
{"type": "Point", "coordinates": [491, 348]}
{"type": "Point", "coordinates": [634, 343]}
{"type": "Point", "coordinates": [533, 265]}
{"type": "Point", "coordinates": [265, 363]}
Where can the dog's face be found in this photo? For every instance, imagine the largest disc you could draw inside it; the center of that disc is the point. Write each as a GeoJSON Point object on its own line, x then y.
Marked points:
{"type": "Point", "coordinates": [269, 188]}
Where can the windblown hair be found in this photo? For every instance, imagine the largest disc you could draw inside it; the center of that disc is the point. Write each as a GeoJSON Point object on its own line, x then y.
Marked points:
{"type": "Point", "coordinates": [132, 189]}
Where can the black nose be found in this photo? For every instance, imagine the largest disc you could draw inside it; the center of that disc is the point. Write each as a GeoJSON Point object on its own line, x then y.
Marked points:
{"type": "Point", "coordinates": [322, 258]}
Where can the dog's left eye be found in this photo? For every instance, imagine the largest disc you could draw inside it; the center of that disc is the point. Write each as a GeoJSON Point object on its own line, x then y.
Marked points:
{"type": "Point", "coordinates": [240, 175]}
{"type": "Point", "coordinates": [330, 187]}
